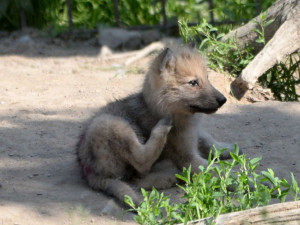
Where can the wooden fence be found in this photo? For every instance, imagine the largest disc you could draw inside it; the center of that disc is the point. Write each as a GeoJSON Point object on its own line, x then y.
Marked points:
{"type": "Point", "coordinates": [163, 26]}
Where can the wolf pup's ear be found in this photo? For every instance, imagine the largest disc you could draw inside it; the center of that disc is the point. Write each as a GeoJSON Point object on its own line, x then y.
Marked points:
{"type": "Point", "coordinates": [168, 60]}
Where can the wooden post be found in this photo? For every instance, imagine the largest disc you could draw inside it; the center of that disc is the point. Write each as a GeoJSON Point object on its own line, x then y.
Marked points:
{"type": "Point", "coordinates": [117, 12]}
{"type": "Point", "coordinates": [70, 16]}
{"type": "Point", "coordinates": [211, 12]}
{"type": "Point", "coordinates": [258, 7]}
{"type": "Point", "coordinates": [23, 18]}
{"type": "Point", "coordinates": [165, 22]}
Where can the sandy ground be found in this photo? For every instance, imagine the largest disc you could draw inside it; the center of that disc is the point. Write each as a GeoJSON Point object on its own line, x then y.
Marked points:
{"type": "Point", "coordinates": [47, 90]}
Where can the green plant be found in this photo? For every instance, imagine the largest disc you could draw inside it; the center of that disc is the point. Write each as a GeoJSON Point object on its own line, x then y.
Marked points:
{"type": "Point", "coordinates": [283, 78]}
{"type": "Point", "coordinates": [227, 56]}
{"type": "Point", "coordinates": [262, 23]}
{"type": "Point", "coordinates": [191, 10]}
{"type": "Point", "coordinates": [89, 13]}
{"type": "Point", "coordinates": [38, 13]}
{"type": "Point", "coordinates": [221, 187]}
{"type": "Point", "coordinates": [240, 11]}
{"type": "Point", "coordinates": [222, 55]}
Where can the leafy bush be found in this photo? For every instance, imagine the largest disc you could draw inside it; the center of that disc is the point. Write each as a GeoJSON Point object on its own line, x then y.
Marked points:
{"type": "Point", "coordinates": [224, 10]}
{"type": "Point", "coordinates": [221, 187]}
{"type": "Point", "coordinates": [86, 13]}
{"type": "Point", "coordinates": [89, 13]}
{"type": "Point", "coordinates": [227, 56]}
{"type": "Point", "coordinates": [283, 78]}
{"type": "Point", "coordinates": [240, 10]}
{"type": "Point", "coordinates": [221, 55]}
{"type": "Point", "coordinates": [38, 12]}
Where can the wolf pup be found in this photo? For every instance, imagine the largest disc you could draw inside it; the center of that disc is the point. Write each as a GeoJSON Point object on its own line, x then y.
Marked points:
{"type": "Point", "coordinates": [146, 137]}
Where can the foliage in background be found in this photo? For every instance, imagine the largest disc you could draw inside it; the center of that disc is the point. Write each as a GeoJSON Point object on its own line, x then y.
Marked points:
{"type": "Point", "coordinates": [226, 56]}
{"type": "Point", "coordinates": [221, 55]}
{"type": "Point", "coordinates": [235, 186]}
{"type": "Point", "coordinates": [284, 78]}
{"type": "Point", "coordinates": [38, 13]}
{"type": "Point", "coordinates": [191, 10]}
{"type": "Point", "coordinates": [86, 13]}
{"type": "Point", "coordinates": [90, 13]}
{"type": "Point", "coordinates": [240, 10]}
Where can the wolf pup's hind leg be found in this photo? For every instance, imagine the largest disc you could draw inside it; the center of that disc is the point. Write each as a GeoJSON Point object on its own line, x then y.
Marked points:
{"type": "Point", "coordinates": [112, 151]}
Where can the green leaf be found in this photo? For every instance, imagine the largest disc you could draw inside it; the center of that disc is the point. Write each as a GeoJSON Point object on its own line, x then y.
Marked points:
{"type": "Point", "coordinates": [255, 160]}
{"type": "Point", "coordinates": [144, 192]}
{"type": "Point", "coordinates": [295, 186]}
{"type": "Point", "coordinates": [260, 41]}
{"type": "Point", "coordinates": [128, 200]}
{"type": "Point", "coordinates": [263, 16]}
{"type": "Point", "coordinates": [258, 31]}
{"type": "Point", "coordinates": [271, 172]}
{"type": "Point", "coordinates": [218, 194]}
{"type": "Point", "coordinates": [270, 177]}
{"type": "Point", "coordinates": [154, 194]}
{"type": "Point", "coordinates": [181, 177]}
{"type": "Point", "coordinates": [269, 22]}
{"type": "Point", "coordinates": [235, 157]}
{"type": "Point", "coordinates": [284, 183]}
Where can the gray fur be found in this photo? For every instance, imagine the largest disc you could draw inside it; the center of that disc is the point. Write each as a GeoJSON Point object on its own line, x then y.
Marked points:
{"type": "Point", "coordinates": [145, 138]}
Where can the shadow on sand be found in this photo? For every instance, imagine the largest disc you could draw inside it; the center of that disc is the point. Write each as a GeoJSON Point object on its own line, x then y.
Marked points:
{"type": "Point", "coordinates": [39, 167]}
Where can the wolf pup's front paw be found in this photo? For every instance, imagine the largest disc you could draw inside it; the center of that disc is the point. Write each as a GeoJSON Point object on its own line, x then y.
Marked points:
{"type": "Point", "coordinates": [166, 121]}
{"type": "Point", "coordinates": [165, 124]}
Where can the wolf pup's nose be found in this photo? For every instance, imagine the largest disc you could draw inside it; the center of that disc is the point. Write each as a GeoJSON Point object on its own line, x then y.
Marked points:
{"type": "Point", "coordinates": [221, 100]}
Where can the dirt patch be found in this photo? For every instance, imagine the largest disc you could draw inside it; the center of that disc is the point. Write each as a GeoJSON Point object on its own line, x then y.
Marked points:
{"type": "Point", "coordinates": [48, 89]}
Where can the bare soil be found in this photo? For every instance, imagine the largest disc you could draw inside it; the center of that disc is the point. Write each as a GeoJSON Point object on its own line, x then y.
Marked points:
{"type": "Point", "coordinates": [48, 88]}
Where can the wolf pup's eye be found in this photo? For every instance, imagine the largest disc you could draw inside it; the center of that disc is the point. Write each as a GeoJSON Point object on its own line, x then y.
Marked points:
{"type": "Point", "coordinates": [193, 83]}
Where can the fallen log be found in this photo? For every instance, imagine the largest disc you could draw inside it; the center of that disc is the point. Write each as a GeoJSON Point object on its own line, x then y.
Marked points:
{"type": "Point", "coordinates": [285, 41]}
{"type": "Point", "coordinates": [287, 213]}
{"type": "Point", "coordinates": [280, 11]}
{"type": "Point", "coordinates": [132, 56]}
{"type": "Point", "coordinates": [283, 37]}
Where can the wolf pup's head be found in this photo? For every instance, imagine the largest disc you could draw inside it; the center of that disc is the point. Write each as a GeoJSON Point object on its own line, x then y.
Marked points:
{"type": "Point", "coordinates": [177, 83]}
